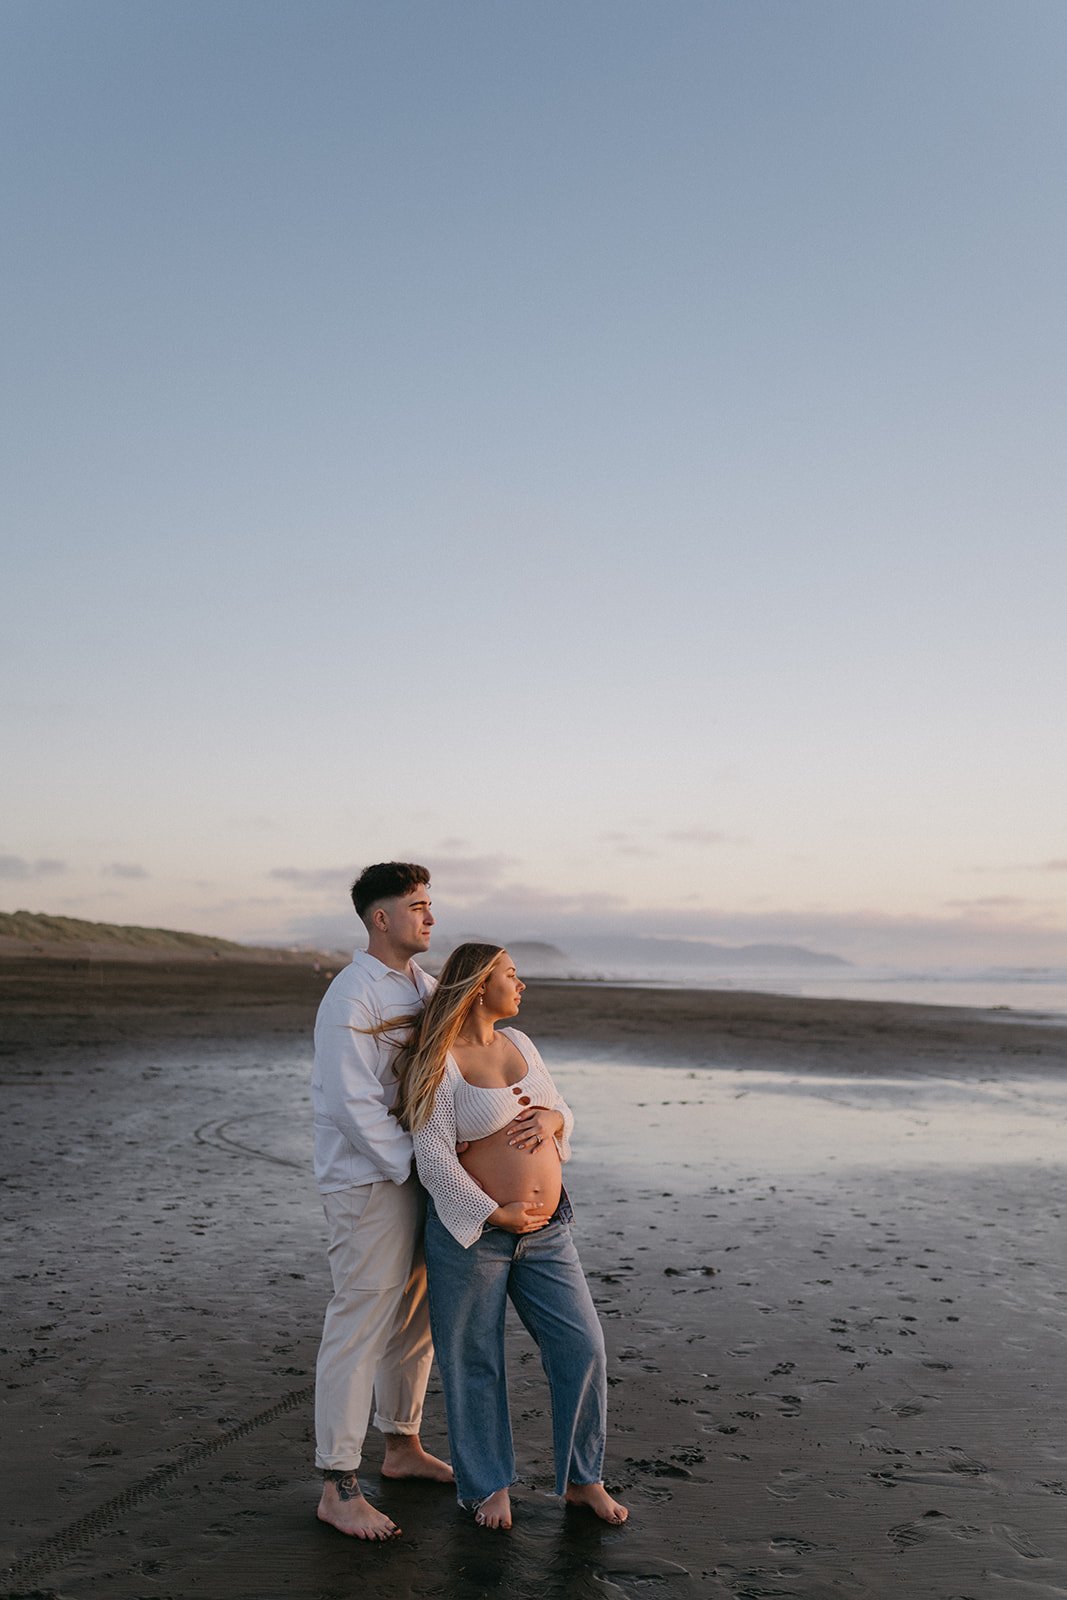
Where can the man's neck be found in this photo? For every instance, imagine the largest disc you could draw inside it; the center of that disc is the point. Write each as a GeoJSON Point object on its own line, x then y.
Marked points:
{"type": "Point", "coordinates": [389, 955]}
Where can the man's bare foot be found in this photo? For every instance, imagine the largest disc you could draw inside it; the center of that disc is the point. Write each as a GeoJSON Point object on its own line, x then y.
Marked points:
{"type": "Point", "coordinates": [344, 1508]}
{"type": "Point", "coordinates": [405, 1458]}
{"type": "Point", "coordinates": [594, 1497]}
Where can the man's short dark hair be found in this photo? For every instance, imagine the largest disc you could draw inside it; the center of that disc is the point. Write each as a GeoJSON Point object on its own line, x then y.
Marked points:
{"type": "Point", "coordinates": [388, 880]}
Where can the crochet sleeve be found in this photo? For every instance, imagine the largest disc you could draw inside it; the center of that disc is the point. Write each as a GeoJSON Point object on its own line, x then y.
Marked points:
{"type": "Point", "coordinates": [462, 1205]}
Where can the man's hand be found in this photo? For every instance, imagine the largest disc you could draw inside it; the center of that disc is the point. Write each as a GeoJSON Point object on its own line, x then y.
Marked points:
{"type": "Point", "coordinates": [519, 1216]}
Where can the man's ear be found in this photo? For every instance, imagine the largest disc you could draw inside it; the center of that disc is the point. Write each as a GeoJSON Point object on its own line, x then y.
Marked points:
{"type": "Point", "coordinates": [380, 919]}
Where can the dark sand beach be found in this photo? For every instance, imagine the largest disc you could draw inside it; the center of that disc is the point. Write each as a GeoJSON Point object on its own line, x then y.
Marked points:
{"type": "Point", "coordinates": [826, 1239]}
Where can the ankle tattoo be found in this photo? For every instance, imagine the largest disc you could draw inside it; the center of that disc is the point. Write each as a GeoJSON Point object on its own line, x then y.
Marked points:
{"type": "Point", "coordinates": [346, 1483]}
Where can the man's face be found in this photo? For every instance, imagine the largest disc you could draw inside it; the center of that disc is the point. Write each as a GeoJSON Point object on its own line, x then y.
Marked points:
{"type": "Point", "coordinates": [410, 920]}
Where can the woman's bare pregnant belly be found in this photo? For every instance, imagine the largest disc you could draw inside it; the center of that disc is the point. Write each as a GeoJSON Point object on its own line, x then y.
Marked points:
{"type": "Point", "coordinates": [509, 1174]}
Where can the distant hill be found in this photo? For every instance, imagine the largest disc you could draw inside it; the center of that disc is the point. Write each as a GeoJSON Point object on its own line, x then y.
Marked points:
{"type": "Point", "coordinates": [535, 958]}
{"type": "Point", "coordinates": [35, 933]}
{"type": "Point", "coordinates": [633, 956]}
{"type": "Point", "coordinates": [631, 950]}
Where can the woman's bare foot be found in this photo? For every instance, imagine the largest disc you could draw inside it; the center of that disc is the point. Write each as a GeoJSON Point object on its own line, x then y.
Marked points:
{"type": "Point", "coordinates": [405, 1458]}
{"type": "Point", "coordinates": [344, 1508]}
{"type": "Point", "coordinates": [594, 1497]}
{"type": "Point", "coordinates": [495, 1512]}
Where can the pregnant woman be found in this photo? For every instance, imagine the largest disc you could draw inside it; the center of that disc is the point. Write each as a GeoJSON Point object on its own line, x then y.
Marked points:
{"type": "Point", "coordinates": [498, 1227]}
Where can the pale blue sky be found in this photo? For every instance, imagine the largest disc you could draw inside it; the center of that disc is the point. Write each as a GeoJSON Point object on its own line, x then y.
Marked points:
{"type": "Point", "coordinates": [603, 450]}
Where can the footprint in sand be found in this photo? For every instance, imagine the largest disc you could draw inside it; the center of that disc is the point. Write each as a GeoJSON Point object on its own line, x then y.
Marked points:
{"type": "Point", "coordinates": [1018, 1541]}
{"type": "Point", "coordinates": [790, 1483]}
{"type": "Point", "coordinates": [906, 1534]}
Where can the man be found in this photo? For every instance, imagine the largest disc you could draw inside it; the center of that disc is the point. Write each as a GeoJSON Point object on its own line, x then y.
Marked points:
{"type": "Point", "coordinates": [376, 1337]}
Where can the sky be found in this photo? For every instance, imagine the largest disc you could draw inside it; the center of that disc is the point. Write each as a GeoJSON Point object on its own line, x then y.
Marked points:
{"type": "Point", "coordinates": [609, 452]}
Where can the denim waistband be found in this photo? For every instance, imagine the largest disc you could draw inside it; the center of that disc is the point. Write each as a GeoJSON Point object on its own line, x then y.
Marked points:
{"type": "Point", "coordinates": [564, 1211]}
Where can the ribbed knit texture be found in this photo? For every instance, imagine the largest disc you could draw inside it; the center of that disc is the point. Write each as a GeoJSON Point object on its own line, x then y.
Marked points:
{"type": "Point", "coordinates": [463, 1111]}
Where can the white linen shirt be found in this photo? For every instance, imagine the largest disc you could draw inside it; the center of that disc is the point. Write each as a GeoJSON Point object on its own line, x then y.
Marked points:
{"type": "Point", "coordinates": [357, 1139]}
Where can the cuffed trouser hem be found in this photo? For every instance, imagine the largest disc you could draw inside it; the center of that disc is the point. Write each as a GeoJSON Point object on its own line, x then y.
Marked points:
{"type": "Point", "coordinates": [337, 1466]}
{"type": "Point", "coordinates": [388, 1425]}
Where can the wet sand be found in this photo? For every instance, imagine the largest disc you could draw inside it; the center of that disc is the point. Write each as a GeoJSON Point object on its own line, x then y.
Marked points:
{"type": "Point", "coordinates": [826, 1240]}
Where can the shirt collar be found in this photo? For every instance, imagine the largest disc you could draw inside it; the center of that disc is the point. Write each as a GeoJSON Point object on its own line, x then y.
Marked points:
{"type": "Point", "coordinates": [377, 970]}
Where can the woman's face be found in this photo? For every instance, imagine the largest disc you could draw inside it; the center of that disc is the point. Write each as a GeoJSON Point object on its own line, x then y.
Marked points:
{"type": "Point", "coordinates": [503, 987]}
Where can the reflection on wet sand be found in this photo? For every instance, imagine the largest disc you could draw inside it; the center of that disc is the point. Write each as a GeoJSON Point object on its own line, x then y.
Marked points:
{"type": "Point", "coordinates": [834, 1306]}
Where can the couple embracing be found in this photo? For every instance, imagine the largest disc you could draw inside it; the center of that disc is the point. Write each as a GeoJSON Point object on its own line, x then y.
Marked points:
{"type": "Point", "coordinates": [406, 1070]}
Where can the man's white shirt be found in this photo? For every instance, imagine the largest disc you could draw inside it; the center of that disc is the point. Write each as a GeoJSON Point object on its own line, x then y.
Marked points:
{"type": "Point", "coordinates": [357, 1139]}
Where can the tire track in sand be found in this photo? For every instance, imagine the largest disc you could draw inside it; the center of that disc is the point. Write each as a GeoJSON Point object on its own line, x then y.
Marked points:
{"type": "Point", "coordinates": [59, 1547]}
{"type": "Point", "coordinates": [217, 1135]}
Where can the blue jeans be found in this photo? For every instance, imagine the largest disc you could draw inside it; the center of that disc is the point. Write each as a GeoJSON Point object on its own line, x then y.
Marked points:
{"type": "Point", "coordinates": [469, 1290]}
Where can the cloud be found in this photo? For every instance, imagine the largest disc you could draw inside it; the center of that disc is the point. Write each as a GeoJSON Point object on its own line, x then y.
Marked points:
{"type": "Point", "coordinates": [991, 902]}
{"type": "Point", "coordinates": [465, 875]}
{"type": "Point", "coordinates": [236, 903]}
{"type": "Point", "coordinates": [625, 844]}
{"type": "Point", "coordinates": [18, 868]}
{"type": "Point", "coordinates": [1011, 933]}
{"type": "Point", "coordinates": [123, 869]}
{"type": "Point", "coordinates": [318, 880]}
{"type": "Point", "coordinates": [703, 836]}
{"type": "Point", "coordinates": [1059, 864]}
{"type": "Point", "coordinates": [513, 911]}
{"type": "Point", "coordinates": [989, 935]}
{"type": "Point", "coordinates": [640, 844]}
{"type": "Point", "coordinates": [454, 874]}
{"type": "Point", "coordinates": [696, 836]}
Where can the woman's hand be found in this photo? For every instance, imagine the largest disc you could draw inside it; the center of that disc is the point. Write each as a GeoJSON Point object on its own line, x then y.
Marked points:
{"type": "Point", "coordinates": [533, 1126]}
{"type": "Point", "coordinates": [519, 1216]}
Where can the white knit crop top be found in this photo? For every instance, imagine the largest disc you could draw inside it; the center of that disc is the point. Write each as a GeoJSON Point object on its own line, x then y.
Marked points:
{"type": "Point", "coordinates": [461, 1110]}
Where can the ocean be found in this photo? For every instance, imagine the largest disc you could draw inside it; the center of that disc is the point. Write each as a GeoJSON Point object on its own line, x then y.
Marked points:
{"type": "Point", "coordinates": [1034, 991]}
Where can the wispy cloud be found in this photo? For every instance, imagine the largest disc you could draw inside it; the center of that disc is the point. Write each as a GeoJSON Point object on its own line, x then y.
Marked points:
{"type": "Point", "coordinates": [238, 904]}
{"type": "Point", "coordinates": [123, 869]}
{"type": "Point", "coordinates": [992, 902]}
{"type": "Point", "coordinates": [458, 874]}
{"type": "Point", "coordinates": [17, 868]}
{"type": "Point", "coordinates": [452, 873]}
{"type": "Point", "coordinates": [625, 844]}
{"type": "Point", "coordinates": [1058, 864]}
{"type": "Point", "coordinates": [705, 836]}
{"type": "Point", "coordinates": [317, 880]}
{"type": "Point", "coordinates": [641, 843]}
{"type": "Point", "coordinates": [965, 932]}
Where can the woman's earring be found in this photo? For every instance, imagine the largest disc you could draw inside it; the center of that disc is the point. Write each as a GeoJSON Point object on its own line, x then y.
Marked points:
{"type": "Point", "coordinates": [481, 1002]}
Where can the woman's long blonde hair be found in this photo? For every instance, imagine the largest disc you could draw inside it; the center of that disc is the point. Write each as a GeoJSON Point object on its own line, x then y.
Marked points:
{"type": "Point", "coordinates": [430, 1035]}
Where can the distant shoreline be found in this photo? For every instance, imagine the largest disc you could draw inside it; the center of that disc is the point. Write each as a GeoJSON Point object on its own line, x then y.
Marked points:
{"type": "Point", "coordinates": [76, 1000]}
